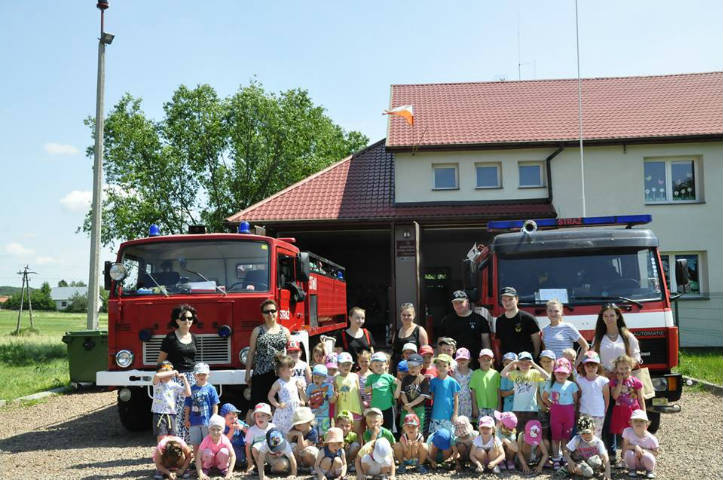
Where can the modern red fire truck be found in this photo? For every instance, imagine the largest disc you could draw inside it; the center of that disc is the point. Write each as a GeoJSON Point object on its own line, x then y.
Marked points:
{"type": "Point", "coordinates": [225, 277]}
{"type": "Point", "coordinates": [586, 263]}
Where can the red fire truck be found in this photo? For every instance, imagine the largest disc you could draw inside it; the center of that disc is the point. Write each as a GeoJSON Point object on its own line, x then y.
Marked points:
{"type": "Point", "coordinates": [225, 277]}
{"type": "Point", "coordinates": [603, 260]}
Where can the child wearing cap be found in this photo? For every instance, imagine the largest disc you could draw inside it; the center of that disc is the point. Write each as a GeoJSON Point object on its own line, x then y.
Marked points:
{"type": "Point", "coordinates": [166, 395]}
{"type": "Point", "coordinates": [320, 393]}
{"type": "Point", "coordinates": [441, 446]}
{"type": "Point", "coordinates": [277, 451]}
{"type": "Point", "coordinates": [301, 370]}
{"type": "Point", "coordinates": [402, 370]}
{"type": "Point", "coordinates": [303, 437]}
{"type": "Point", "coordinates": [445, 396]}
{"type": "Point", "coordinates": [594, 390]}
{"type": "Point", "coordinates": [547, 362]}
{"type": "Point", "coordinates": [411, 451]}
{"type": "Point", "coordinates": [347, 394]}
{"type": "Point", "coordinates": [215, 451]}
{"type": "Point", "coordinates": [382, 387]}
{"type": "Point", "coordinates": [463, 375]}
{"type": "Point", "coordinates": [507, 388]}
{"type": "Point", "coordinates": [200, 406]}
{"type": "Point", "coordinates": [235, 431]}
{"type": "Point", "coordinates": [640, 447]}
{"type": "Point", "coordinates": [464, 435]}
{"type": "Point", "coordinates": [485, 386]}
{"type": "Point", "coordinates": [375, 458]}
{"type": "Point", "coordinates": [506, 432]}
{"type": "Point", "coordinates": [408, 349]}
{"type": "Point", "coordinates": [172, 457]}
{"type": "Point", "coordinates": [345, 421]}
{"type": "Point", "coordinates": [487, 451]}
{"type": "Point", "coordinates": [331, 459]}
{"type": "Point", "coordinates": [332, 368]}
{"type": "Point", "coordinates": [532, 448]}
{"type": "Point", "coordinates": [585, 454]}
{"type": "Point", "coordinates": [256, 433]}
{"type": "Point", "coordinates": [526, 380]}
{"type": "Point", "coordinates": [561, 398]}
{"type": "Point", "coordinates": [414, 390]}
{"type": "Point", "coordinates": [374, 419]}
{"type": "Point", "coordinates": [448, 346]}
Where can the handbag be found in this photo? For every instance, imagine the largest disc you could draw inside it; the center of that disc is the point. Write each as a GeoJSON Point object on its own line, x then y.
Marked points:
{"type": "Point", "coordinates": [643, 374]}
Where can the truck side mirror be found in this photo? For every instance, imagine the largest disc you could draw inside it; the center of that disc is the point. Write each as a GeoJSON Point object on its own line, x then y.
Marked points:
{"type": "Point", "coordinates": [471, 279]}
{"type": "Point", "coordinates": [304, 267]}
{"type": "Point", "coordinates": [682, 278]}
{"type": "Point", "coordinates": [106, 275]}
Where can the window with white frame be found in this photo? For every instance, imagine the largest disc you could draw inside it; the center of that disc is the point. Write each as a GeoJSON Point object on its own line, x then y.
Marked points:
{"type": "Point", "coordinates": [488, 175]}
{"type": "Point", "coordinates": [694, 272]}
{"type": "Point", "coordinates": [531, 174]}
{"type": "Point", "coordinates": [671, 180]}
{"type": "Point", "coordinates": [446, 176]}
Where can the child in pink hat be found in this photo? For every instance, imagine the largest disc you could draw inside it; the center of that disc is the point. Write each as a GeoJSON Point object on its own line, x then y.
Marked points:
{"type": "Point", "coordinates": [561, 396]}
{"type": "Point", "coordinates": [463, 375]}
{"type": "Point", "coordinates": [507, 433]}
{"type": "Point", "coordinates": [487, 452]}
{"type": "Point", "coordinates": [532, 448]}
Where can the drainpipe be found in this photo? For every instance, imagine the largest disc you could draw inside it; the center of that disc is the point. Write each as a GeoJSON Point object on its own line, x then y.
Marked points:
{"type": "Point", "coordinates": [548, 160]}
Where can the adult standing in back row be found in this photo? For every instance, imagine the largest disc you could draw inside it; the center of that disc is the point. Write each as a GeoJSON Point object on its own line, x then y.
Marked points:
{"type": "Point", "coordinates": [516, 330]}
{"type": "Point", "coordinates": [560, 335]}
{"type": "Point", "coordinates": [471, 330]}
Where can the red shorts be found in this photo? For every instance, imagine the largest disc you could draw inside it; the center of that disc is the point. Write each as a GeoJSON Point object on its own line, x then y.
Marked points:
{"type": "Point", "coordinates": [562, 421]}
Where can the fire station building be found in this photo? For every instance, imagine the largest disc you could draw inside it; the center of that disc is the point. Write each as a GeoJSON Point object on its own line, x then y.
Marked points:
{"type": "Point", "coordinates": [401, 214]}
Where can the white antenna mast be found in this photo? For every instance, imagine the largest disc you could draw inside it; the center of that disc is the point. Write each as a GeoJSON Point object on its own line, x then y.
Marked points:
{"type": "Point", "coordinates": [579, 111]}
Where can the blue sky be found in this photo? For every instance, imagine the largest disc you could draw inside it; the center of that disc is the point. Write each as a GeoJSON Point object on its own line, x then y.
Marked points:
{"type": "Point", "coordinates": [345, 53]}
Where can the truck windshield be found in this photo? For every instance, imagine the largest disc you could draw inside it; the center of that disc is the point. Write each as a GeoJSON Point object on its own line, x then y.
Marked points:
{"type": "Point", "coordinates": [197, 267]}
{"type": "Point", "coordinates": [584, 279]}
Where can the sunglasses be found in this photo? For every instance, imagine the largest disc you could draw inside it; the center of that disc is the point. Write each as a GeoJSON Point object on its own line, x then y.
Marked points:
{"type": "Point", "coordinates": [185, 319]}
{"type": "Point", "coordinates": [268, 312]}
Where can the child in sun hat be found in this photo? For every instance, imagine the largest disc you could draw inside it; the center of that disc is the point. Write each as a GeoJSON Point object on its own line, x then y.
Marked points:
{"type": "Point", "coordinates": [594, 390]}
{"type": "Point", "coordinates": [277, 452]}
{"type": "Point", "coordinates": [561, 398]}
{"type": "Point", "coordinates": [331, 460]}
{"type": "Point", "coordinates": [411, 451]}
{"type": "Point", "coordinates": [445, 396]}
{"type": "Point", "coordinates": [215, 453]}
{"type": "Point", "coordinates": [463, 375]}
{"type": "Point", "coordinates": [464, 435]}
{"type": "Point", "coordinates": [408, 349]}
{"type": "Point", "coordinates": [256, 433]}
{"type": "Point", "coordinates": [506, 432]}
{"type": "Point", "coordinates": [303, 437]}
{"type": "Point", "coordinates": [532, 448]}
{"type": "Point", "coordinates": [585, 454]}
{"type": "Point", "coordinates": [319, 394]}
{"type": "Point", "coordinates": [383, 387]}
{"type": "Point", "coordinates": [375, 458]}
{"type": "Point", "coordinates": [640, 447]}
{"type": "Point", "coordinates": [507, 388]}
{"type": "Point", "coordinates": [235, 431]}
{"type": "Point", "coordinates": [347, 394]}
{"type": "Point", "coordinates": [487, 451]}
{"type": "Point", "coordinates": [485, 386]}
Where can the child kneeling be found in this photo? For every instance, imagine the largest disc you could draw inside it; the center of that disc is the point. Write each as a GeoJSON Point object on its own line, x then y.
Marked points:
{"type": "Point", "coordinates": [585, 454]}
{"type": "Point", "coordinates": [375, 458]}
{"type": "Point", "coordinates": [487, 450]}
{"type": "Point", "coordinates": [172, 457]}
{"type": "Point", "coordinates": [278, 452]}
{"type": "Point", "coordinates": [303, 437]}
{"type": "Point", "coordinates": [411, 449]}
{"type": "Point", "coordinates": [331, 460]}
{"type": "Point", "coordinates": [215, 451]}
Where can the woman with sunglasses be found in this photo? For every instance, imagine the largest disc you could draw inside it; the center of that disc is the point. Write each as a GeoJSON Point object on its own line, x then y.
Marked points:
{"type": "Point", "coordinates": [267, 340]}
{"type": "Point", "coordinates": [179, 348]}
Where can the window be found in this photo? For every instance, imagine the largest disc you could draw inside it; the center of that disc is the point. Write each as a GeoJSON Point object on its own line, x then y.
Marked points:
{"type": "Point", "coordinates": [445, 177]}
{"type": "Point", "coordinates": [531, 174]}
{"type": "Point", "coordinates": [670, 180]}
{"type": "Point", "coordinates": [488, 175]}
{"type": "Point", "coordinates": [693, 287]}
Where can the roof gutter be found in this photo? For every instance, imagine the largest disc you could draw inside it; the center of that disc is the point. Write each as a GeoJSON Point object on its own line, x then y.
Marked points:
{"type": "Point", "coordinates": [548, 160]}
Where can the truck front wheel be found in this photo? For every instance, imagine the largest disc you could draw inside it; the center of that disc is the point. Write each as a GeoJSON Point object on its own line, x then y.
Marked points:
{"type": "Point", "coordinates": [134, 408]}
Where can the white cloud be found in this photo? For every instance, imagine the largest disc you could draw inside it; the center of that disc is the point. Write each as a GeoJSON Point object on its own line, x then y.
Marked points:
{"type": "Point", "coordinates": [18, 250]}
{"type": "Point", "coordinates": [60, 149]}
{"type": "Point", "coordinates": [45, 260]}
{"type": "Point", "coordinates": [77, 200]}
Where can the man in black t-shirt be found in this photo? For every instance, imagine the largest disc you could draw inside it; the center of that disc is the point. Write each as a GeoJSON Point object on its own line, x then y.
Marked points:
{"type": "Point", "coordinates": [517, 331]}
{"type": "Point", "coordinates": [471, 330]}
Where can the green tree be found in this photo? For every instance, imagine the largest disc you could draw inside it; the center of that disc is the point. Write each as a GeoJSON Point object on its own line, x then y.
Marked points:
{"type": "Point", "coordinates": [62, 283]}
{"type": "Point", "coordinates": [78, 303]}
{"type": "Point", "coordinates": [78, 283]}
{"type": "Point", "coordinates": [41, 299]}
{"type": "Point", "coordinates": [210, 157]}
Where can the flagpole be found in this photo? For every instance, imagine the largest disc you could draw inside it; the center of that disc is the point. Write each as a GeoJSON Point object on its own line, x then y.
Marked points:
{"type": "Point", "coordinates": [579, 112]}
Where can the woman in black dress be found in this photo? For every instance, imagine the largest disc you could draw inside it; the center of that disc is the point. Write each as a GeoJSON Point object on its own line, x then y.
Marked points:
{"type": "Point", "coordinates": [179, 348]}
{"type": "Point", "coordinates": [355, 338]}
{"type": "Point", "coordinates": [409, 332]}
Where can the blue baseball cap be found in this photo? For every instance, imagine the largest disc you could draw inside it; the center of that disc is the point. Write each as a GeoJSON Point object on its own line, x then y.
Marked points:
{"type": "Point", "coordinates": [320, 369]}
{"type": "Point", "coordinates": [228, 408]}
{"type": "Point", "coordinates": [510, 356]}
{"type": "Point", "coordinates": [402, 366]}
{"type": "Point", "coordinates": [525, 356]}
{"type": "Point", "coordinates": [548, 354]}
{"type": "Point", "coordinates": [442, 439]}
{"type": "Point", "coordinates": [275, 440]}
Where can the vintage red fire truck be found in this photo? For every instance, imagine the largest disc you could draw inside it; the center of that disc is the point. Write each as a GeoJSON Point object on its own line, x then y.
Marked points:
{"type": "Point", "coordinates": [586, 263]}
{"type": "Point", "coordinates": [225, 277]}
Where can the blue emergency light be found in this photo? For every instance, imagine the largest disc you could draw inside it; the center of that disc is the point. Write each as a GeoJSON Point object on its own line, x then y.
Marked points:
{"type": "Point", "coordinates": [154, 231]}
{"type": "Point", "coordinates": [628, 220]}
{"type": "Point", "coordinates": [244, 227]}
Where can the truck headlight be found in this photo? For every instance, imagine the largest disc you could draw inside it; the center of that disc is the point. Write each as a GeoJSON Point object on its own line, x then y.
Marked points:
{"type": "Point", "coordinates": [243, 355]}
{"type": "Point", "coordinates": [124, 358]}
{"type": "Point", "coordinates": [659, 384]}
{"type": "Point", "coordinates": [118, 272]}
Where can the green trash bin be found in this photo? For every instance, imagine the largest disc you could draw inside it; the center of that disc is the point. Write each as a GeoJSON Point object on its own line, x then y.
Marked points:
{"type": "Point", "coordinates": [87, 354]}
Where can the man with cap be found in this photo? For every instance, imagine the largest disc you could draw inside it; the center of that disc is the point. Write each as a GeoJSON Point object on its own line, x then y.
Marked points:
{"type": "Point", "coordinates": [470, 329]}
{"type": "Point", "coordinates": [516, 330]}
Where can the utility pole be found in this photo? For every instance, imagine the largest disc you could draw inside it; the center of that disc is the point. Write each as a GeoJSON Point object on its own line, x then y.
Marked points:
{"type": "Point", "coordinates": [26, 286]}
{"type": "Point", "coordinates": [94, 273]}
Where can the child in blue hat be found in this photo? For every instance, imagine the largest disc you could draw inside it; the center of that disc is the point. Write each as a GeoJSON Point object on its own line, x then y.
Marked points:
{"type": "Point", "coordinates": [235, 430]}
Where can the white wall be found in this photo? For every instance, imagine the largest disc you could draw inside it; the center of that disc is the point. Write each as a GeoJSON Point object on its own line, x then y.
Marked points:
{"type": "Point", "coordinates": [414, 180]}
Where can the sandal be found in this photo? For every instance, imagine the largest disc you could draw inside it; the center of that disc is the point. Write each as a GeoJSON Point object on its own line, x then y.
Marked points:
{"type": "Point", "coordinates": [556, 464]}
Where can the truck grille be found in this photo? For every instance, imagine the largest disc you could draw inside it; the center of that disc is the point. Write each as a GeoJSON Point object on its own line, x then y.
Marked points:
{"type": "Point", "coordinates": [653, 350]}
{"type": "Point", "coordinates": [212, 349]}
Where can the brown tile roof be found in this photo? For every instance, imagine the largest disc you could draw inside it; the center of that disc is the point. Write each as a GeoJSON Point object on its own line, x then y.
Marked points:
{"type": "Point", "coordinates": [361, 188]}
{"type": "Point", "coordinates": [543, 111]}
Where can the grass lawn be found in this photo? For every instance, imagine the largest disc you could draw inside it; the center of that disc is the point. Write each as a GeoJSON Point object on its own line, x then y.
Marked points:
{"type": "Point", "coordinates": [38, 361]}
{"type": "Point", "coordinates": [702, 363]}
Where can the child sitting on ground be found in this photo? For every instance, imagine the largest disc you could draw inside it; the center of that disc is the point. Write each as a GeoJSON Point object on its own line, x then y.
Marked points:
{"type": "Point", "coordinates": [352, 441]}
{"type": "Point", "coordinates": [200, 406]}
{"type": "Point", "coordinates": [165, 397]}
{"type": "Point", "coordinates": [374, 419]}
{"type": "Point", "coordinates": [585, 454]}
{"type": "Point", "coordinates": [375, 458]}
{"type": "Point", "coordinates": [640, 447]}
{"type": "Point", "coordinates": [507, 434]}
{"type": "Point", "coordinates": [411, 451]}
{"type": "Point", "coordinates": [172, 457]}
{"type": "Point", "coordinates": [331, 461]}
{"type": "Point", "coordinates": [215, 454]}
{"type": "Point", "coordinates": [442, 449]}
{"type": "Point", "coordinates": [464, 435]}
{"type": "Point", "coordinates": [487, 452]}
{"type": "Point", "coordinates": [235, 431]}
{"type": "Point", "coordinates": [256, 433]}
{"type": "Point", "coordinates": [277, 451]}
{"type": "Point", "coordinates": [532, 448]}
{"type": "Point", "coordinates": [303, 437]}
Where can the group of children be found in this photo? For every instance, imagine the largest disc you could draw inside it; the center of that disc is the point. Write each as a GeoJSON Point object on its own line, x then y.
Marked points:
{"type": "Point", "coordinates": [335, 416]}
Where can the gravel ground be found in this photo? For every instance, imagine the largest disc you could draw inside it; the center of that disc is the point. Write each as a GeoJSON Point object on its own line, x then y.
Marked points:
{"type": "Point", "coordinates": [79, 436]}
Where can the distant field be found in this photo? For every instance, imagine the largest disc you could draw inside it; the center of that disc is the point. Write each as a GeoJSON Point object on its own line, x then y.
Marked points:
{"type": "Point", "coordinates": [36, 362]}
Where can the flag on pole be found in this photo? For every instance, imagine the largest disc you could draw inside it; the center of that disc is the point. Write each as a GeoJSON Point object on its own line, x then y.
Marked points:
{"type": "Point", "coordinates": [404, 111]}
